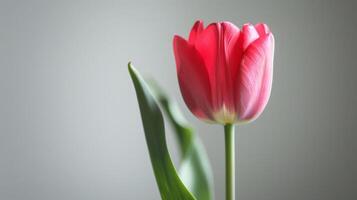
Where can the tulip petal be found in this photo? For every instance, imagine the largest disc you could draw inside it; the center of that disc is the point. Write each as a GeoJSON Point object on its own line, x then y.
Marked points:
{"type": "Point", "coordinates": [229, 59]}
{"type": "Point", "coordinates": [193, 78]}
{"type": "Point", "coordinates": [231, 35]}
{"type": "Point", "coordinates": [233, 53]}
{"type": "Point", "coordinates": [249, 35]}
{"type": "Point", "coordinates": [195, 31]}
{"type": "Point", "coordinates": [262, 29]}
{"type": "Point", "coordinates": [207, 45]}
{"type": "Point", "coordinates": [255, 78]}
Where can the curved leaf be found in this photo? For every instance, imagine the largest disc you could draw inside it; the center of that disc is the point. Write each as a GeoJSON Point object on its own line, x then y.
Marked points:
{"type": "Point", "coordinates": [195, 170]}
{"type": "Point", "coordinates": [170, 185]}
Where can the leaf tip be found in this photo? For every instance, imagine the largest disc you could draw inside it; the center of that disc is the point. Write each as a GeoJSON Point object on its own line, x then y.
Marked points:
{"type": "Point", "coordinates": [130, 66]}
{"type": "Point", "coordinates": [132, 70]}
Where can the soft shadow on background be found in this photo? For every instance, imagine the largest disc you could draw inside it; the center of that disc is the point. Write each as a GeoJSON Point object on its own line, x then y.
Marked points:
{"type": "Point", "coordinates": [69, 121]}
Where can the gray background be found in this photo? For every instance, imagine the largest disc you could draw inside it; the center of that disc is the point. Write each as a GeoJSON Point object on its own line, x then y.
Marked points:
{"type": "Point", "coordinates": [69, 121]}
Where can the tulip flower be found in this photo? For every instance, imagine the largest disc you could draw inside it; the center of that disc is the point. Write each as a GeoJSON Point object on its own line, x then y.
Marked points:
{"type": "Point", "coordinates": [225, 76]}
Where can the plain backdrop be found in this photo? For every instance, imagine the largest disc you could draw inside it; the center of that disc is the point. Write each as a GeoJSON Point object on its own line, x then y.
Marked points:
{"type": "Point", "coordinates": [70, 127]}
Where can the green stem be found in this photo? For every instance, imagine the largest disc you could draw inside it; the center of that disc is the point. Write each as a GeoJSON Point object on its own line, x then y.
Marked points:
{"type": "Point", "coordinates": [230, 163]}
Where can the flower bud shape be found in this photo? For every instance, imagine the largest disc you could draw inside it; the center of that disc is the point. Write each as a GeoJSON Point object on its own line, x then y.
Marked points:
{"type": "Point", "coordinates": [225, 73]}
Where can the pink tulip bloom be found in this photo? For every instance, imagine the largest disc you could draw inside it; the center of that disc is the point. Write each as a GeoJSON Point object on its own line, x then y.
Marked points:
{"type": "Point", "coordinates": [225, 74]}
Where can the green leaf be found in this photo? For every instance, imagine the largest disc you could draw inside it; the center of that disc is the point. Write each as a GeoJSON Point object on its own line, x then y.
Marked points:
{"type": "Point", "coordinates": [195, 180]}
{"type": "Point", "coordinates": [170, 185]}
{"type": "Point", "coordinates": [195, 170]}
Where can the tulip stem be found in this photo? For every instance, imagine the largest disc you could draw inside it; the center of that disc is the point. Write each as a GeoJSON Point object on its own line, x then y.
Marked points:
{"type": "Point", "coordinates": [230, 161]}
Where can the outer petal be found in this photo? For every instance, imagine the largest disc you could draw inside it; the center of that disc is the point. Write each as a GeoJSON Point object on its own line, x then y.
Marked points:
{"type": "Point", "coordinates": [228, 63]}
{"type": "Point", "coordinates": [193, 79]}
{"type": "Point", "coordinates": [246, 36]}
{"type": "Point", "coordinates": [249, 35]}
{"type": "Point", "coordinates": [255, 78]}
{"type": "Point", "coordinates": [195, 31]}
{"type": "Point", "coordinates": [207, 44]}
{"type": "Point", "coordinates": [231, 35]}
{"type": "Point", "coordinates": [262, 29]}
{"type": "Point", "coordinates": [233, 53]}
{"type": "Point", "coordinates": [232, 50]}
